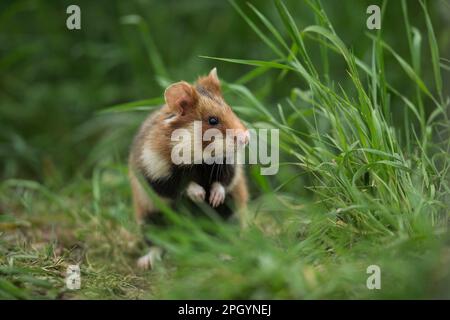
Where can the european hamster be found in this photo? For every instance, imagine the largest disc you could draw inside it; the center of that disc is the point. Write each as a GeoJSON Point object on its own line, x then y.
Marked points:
{"type": "Point", "coordinates": [188, 107]}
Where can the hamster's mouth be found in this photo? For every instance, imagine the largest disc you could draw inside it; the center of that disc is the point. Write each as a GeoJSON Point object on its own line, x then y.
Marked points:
{"type": "Point", "coordinates": [231, 156]}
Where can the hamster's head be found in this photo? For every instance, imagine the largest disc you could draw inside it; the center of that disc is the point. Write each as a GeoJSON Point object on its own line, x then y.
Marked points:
{"type": "Point", "coordinates": [200, 109]}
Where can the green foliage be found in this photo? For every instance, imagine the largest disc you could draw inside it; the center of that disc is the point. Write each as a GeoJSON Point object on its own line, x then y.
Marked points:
{"type": "Point", "coordinates": [364, 137]}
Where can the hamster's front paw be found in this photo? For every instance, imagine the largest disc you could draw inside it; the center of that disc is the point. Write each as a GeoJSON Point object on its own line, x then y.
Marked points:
{"type": "Point", "coordinates": [195, 192]}
{"type": "Point", "coordinates": [149, 260]}
{"type": "Point", "coordinates": [217, 194]}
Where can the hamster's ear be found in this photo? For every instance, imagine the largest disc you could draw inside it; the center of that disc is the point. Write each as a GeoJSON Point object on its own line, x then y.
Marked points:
{"type": "Point", "coordinates": [180, 97]}
{"type": "Point", "coordinates": [213, 77]}
{"type": "Point", "coordinates": [214, 82]}
{"type": "Point", "coordinates": [211, 82]}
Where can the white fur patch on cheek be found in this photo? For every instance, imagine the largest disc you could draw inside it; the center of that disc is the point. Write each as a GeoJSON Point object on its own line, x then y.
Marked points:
{"type": "Point", "coordinates": [154, 164]}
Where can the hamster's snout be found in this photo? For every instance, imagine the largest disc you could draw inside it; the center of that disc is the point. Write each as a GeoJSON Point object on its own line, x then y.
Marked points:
{"type": "Point", "coordinates": [243, 137]}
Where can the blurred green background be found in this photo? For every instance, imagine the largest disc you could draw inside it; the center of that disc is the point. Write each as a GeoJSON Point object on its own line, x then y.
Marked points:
{"type": "Point", "coordinates": [53, 81]}
{"type": "Point", "coordinates": [369, 184]}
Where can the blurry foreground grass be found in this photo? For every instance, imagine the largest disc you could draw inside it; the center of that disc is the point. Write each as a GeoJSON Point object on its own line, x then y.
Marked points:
{"type": "Point", "coordinates": [283, 256]}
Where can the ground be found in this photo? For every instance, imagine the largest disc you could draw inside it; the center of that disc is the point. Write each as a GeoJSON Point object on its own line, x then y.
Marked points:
{"type": "Point", "coordinates": [91, 222]}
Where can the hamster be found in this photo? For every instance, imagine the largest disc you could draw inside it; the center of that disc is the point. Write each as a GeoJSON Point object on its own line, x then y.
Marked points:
{"type": "Point", "coordinates": [151, 155]}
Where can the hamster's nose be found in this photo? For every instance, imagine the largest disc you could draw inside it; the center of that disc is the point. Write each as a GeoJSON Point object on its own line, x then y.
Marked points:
{"type": "Point", "coordinates": [243, 137]}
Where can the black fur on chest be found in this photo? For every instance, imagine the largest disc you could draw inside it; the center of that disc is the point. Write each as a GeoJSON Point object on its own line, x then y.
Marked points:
{"type": "Point", "coordinates": [203, 174]}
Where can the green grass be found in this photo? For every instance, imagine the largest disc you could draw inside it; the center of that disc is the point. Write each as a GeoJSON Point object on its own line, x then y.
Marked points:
{"type": "Point", "coordinates": [363, 181]}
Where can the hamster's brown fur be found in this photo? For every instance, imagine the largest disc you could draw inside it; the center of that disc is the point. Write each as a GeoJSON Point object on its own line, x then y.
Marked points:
{"type": "Point", "coordinates": [150, 153]}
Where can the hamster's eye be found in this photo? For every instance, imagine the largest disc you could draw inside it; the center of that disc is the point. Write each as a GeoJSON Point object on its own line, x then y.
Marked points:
{"type": "Point", "coordinates": [213, 121]}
